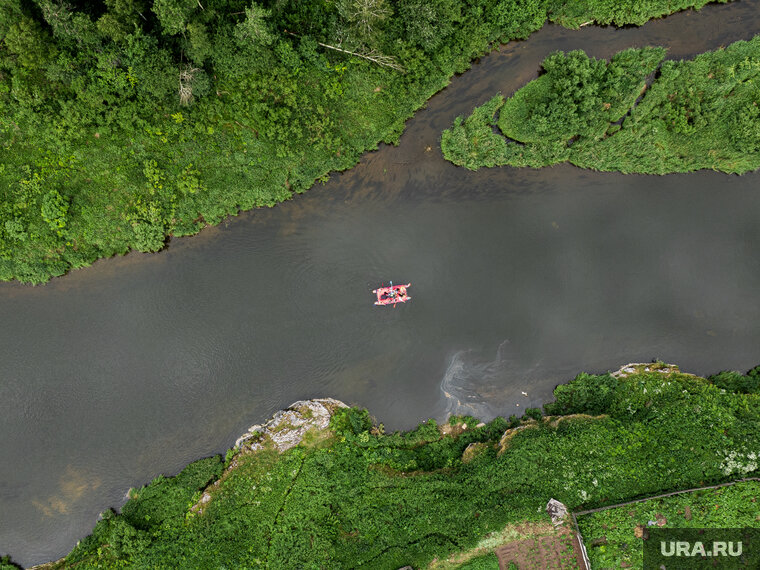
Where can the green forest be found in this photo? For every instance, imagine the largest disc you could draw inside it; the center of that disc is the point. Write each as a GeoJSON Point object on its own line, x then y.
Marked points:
{"type": "Point", "coordinates": [125, 122]}
{"type": "Point", "coordinates": [635, 113]}
{"type": "Point", "coordinates": [355, 496]}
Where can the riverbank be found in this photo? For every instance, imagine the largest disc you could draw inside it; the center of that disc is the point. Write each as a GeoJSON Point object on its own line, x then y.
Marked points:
{"type": "Point", "coordinates": [131, 127]}
{"type": "Point", "coordinates": [352, 495]}
{"type": "Point", "coordinates": [633, 114]}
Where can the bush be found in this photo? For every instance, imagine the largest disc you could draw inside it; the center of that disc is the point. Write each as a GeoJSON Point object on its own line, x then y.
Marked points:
{"type": "Point", "coordinates": [700, 114]}
{"type": "Point", "coordinates": [533, 413]}
{"type": "Point", "coordinates": [471, 142]}
{"type": "Point", "coordinates": [737, 382]}
{"type": "Point", "coordinates": [351, 421]}
{"type": "Point", "coordinates": [7, 564]}
{"type": "Point", "coordinates": [167, 498]}
{"type": "Point", "coordinates": [586, 394]}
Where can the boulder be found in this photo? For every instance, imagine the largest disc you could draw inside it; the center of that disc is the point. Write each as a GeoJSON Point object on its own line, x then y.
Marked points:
{"type": "Point", "coordinates": [557, 511]}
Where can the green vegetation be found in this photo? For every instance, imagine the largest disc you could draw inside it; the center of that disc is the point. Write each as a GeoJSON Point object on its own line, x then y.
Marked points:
{"type": "Point", "coordinates": [737, 382]}
{"type": "Point", "coordinates": [6, 564]}
{"type": "Point", "coordinates": [573, 14]}
{"type": "Point", "coordinates": [611, 536]}
{"type": "Point", "coordinates": [695, 114]}
{"type": "Point", "coordinates": [123, 122]}
{"type": "Point", "coordinates": [355, 497]}
{"type": "Point", "coordinates": [472, 142]}
{"type": "Point", "coordinates": [518, 541]}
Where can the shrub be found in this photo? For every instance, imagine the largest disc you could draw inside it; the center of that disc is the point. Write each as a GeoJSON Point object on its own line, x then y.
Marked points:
{"type": "Point", "coordinates": [587, 393]}
{"type": "Point", "coordinates": [737, 382]}
{"type": "Point", "coordinates": [471, 142]}
{"type": "Point", "coordinates": [533, 413]}
{"type": "Point", "coordinates": [351, 421]}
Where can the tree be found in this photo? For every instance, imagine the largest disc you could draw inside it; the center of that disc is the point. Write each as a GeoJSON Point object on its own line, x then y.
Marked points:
{"type": "Point", "coordinates": [121, 19]}
{"type": "Point", "coordinates": [54, 209]}
{"type": "Point", "coordinates": [517, 19]}
{"type": "Point", "coordinates": [11, 12]}
{"type": "Point", "coordinates": [68, 25]}
{"type": "Point", "coordinates": [255, 29]}
{"type": "Point", "coordinates": [429, 23]}
{"type": "Point", "coordinates": [362, 21]}
{"type": "Point", "coordinates": [31, 45]}
{"type": "Point", "coordinates": [174, 15]}
{"type": "Point", "coordinates": [198, 45]}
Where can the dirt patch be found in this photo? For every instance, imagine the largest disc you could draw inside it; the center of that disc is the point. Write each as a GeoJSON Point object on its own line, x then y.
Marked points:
{"type": "Point", "coordinates": [557, 550]}
{"type": "Point", "coordinates": [531, 545]}
{"type": "Point", "coordinates": [554, 421]}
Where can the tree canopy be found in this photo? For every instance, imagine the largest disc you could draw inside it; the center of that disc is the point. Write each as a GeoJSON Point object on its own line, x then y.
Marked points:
{"type": "Point", "coordinates": [123, 122]}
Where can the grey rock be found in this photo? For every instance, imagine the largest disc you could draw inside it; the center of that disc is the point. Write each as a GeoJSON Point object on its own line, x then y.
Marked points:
{"type": "Point", "coordinates": [556, 510]}
{"type": "Point", "coordinates": [287, 427]}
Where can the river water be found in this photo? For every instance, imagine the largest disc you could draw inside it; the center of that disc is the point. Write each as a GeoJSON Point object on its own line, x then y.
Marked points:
{"type": "Point", "coordinates": [520, 279]}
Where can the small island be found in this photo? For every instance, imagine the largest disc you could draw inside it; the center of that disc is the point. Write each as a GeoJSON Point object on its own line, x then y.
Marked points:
{"type": "Point", "coordinates": [633, 114]}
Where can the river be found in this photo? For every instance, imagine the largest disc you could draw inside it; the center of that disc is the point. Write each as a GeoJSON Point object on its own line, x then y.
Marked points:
{"type": "Point", "coordinates": [520, 279]}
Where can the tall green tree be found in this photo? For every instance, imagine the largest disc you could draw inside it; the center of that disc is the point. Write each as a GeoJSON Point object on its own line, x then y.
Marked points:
{"type": "Point", "coordinates": [122, 18]}
{"type": "Point", "coordinates": [174, 15]}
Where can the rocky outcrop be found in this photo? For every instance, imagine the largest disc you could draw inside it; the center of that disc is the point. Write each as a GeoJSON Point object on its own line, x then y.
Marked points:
{"type": "Point", "coordinates": [510, 433]}
{"type": "Point", "coordinates": [285, 430]}
{"type": "Point", "coordinates": [287, 427]}
{"type": "Point", "coordinates": [642, 367]}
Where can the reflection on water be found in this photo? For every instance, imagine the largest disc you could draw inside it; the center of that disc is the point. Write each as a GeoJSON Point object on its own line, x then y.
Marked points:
{"type": "Point", "coordinates": [485, 387]}
{"type": "Point", "coordinates": [140, 364]}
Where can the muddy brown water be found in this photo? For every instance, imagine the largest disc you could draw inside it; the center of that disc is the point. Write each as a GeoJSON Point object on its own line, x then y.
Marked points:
{"type": "Point", "coordinates": [520, 279]}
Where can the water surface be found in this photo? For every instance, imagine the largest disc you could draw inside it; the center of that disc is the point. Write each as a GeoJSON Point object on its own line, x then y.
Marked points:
{"type": "Point", "coordinates": [520, 279]}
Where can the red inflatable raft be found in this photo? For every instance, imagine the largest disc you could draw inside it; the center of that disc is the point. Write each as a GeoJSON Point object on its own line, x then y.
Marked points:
{"type": "Point", "coordinates": [392, 295]}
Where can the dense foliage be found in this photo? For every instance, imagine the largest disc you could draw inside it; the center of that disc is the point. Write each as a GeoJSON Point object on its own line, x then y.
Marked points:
{"type": "Point", "coordinates": [693, 115]}
{"type": "Point", "coordinates": [123, 122]}
{"type": "Point", "coordinates": [6, 564]}
{"type": "Point", "coordinates": [355, 497]}
{"type": "Point", "coordinates": [737, 382]}
{"type": "Point", "coordinates": [610, 535]}
{"type": "Point", "coordinates": [472, 142]}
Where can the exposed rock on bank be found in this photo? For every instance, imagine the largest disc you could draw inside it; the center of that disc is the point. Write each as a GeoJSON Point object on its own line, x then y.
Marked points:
{"type": "Point", "coordinates": [642, 367]}
{"type": "Point", "coordinates": [287, 427]}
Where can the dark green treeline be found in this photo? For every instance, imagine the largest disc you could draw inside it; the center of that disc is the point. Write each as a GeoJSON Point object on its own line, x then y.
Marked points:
{"type": "Point", "coordinates": [123, 122]}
